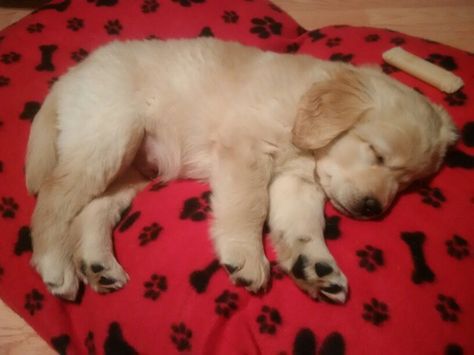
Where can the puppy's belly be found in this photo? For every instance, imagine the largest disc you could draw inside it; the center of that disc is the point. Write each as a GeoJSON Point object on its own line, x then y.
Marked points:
{"type": "Point", "coordinates": [164, 157]}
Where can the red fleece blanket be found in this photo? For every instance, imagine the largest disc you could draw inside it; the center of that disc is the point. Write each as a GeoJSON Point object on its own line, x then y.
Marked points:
{"type": "Point", "coordinates": [410, 274]}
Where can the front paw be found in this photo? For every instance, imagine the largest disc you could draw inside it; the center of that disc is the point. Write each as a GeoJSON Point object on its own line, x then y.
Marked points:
{"type": "Point", "coordinates": [320, 278]}
{"type": "Point", "coordinates": [249, 269]}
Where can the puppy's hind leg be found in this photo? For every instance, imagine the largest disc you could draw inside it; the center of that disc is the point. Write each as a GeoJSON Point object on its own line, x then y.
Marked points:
{"type": "Point", "coordinates": [88, 161]}
{"type": "Point", "coordinates": [92, 228]}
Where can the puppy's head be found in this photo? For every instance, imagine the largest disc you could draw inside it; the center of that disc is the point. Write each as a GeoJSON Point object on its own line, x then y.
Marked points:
{"type": "Point", "coordinates": [371, 137]}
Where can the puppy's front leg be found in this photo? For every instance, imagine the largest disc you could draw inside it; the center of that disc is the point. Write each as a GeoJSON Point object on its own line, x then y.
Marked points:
{"type": "Point", "coordinates": [239, 181]}
{"type": "Point", "coordinates": [296, 221]}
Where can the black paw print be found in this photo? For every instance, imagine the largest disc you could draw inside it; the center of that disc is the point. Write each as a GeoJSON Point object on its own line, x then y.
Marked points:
{"type": "Point", "coordinates": [35, 28]}
{"type": "Point", "coordinates": [150, 233]}
{"type": "Point", "coordinates": [269, 319]}
{"type": "Point", "coordinates": [372, 38]}
{"type": "Point", "coordinates": [113, 27]}
{"type": "Point", "coordinates": [265, 27]}
{"type": "Point", "coordinates": [2, 272]}
{"type": "Point", "coordinates": [230, 17]}
{"type": "Point", "coordinates": [457, 98]}
{"type": "Point", "coordinates": [196, 208]}
{"type": "Point", "coordinates": [448, 308]}
{"type": "Point", "coordinates": [75, 24]}
{"type": "Point", "coordinates": [4, 81]}
{"type": "Point", "coordinates": [155, 286]}
{"type": "Point", "coordinates": [276, 272]}
{"type": "Point", "coordinates": [458, 247]}
{"type": "Point", "coordinates": [331, 229]}
{"type": "Point", "coordinates": [34, 301]}
{"type": "Point", "coordinates": [432, 196]}
{"type": "Point", "coordinates": [316, 35]}
{"type": "Point", "coordinates": [398, 41]}
{"type": "Point", "coordinates": [8, 207]}
{"type": "Point", "coordinates": [188, 3]}
{"type": "Point", "coordinates": [389, 68]}
{"type": "Point", "coordinates": [333, 42]}
{"type": "Point", "coordinates": [79, 55]}
{"type": "Point", "coordinates": [445, 61]}
{"type": "Point", "coordinates": [292, 48]}
{"type": "Point", "coordinates": [181, 336]}
{"type": "Point", "coordinates": [9, 58]}
{"type": "Point", "coordinates": [226, 303]}
{"type": "Point", "coordinates": [370, 258]}
{"type": "Point", "coordinates": [149, 6]}
{"type": "Point", "coordinates": [341, 57]}
{"type": "Point", "coordinates": [375, 312]}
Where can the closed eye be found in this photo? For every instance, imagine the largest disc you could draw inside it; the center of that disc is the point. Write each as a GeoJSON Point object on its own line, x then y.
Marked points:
{"type": "Point", "coordinates": [379, 158]}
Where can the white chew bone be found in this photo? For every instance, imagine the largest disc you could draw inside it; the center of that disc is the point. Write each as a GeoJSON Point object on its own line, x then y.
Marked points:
{"type": "Point", "coordinates": [424, 70]}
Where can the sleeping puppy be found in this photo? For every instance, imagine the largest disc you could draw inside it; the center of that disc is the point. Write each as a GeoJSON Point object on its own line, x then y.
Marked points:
{"type": "Point", "coordinates": [273, 134]}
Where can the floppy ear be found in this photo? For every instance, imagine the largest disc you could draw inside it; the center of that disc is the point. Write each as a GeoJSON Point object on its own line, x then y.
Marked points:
{"type": "Point", "coordinates": [329, 108]}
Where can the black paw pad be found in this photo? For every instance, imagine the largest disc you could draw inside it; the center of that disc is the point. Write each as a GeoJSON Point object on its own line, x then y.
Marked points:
{"type": "Point", "coordinates": [323, 269]}
{"type": "Point", "coordinates": [298, 268]}
{"type": "Point", "coordinates": [96, 268]}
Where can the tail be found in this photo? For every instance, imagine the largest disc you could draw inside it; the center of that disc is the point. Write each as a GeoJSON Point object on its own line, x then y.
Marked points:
{"type": "Point", "coordinates": [41, 154]}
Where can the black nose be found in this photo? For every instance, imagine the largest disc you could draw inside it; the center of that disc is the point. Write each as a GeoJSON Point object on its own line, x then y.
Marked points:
{"type": "Point", "coordinates": [371, 207]}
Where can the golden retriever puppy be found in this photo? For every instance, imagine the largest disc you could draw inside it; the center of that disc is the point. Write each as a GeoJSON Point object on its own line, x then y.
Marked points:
{"type": "Point", "coordinates": [273, 134]}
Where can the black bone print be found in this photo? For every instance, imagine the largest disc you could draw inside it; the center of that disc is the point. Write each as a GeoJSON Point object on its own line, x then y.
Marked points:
{"type": "Point", "coordinates": [305, 344]}
{"type": "Point", "coordinates": [104, 2]}
{"type": "Point", "coordinates": [422, 272]}
{"type": "Point", "coordinates": [90, 344]}
{"type": "Point", "coordinates": [331, 229]}
{"type": "Point", "coordinates": [60, 6]}
{"type": "Point", "coordinates": [456, 158]}
{"type": "Point", "coordinates": [60, 343]}
{"type": "Point", "coordinates": [47, 52]}
{"type": "Point", "coordinates": [116, 343]}
{"type": "Point", "coordinates": [453, 349]}
{"type": "Point", "coordinates": [468, 134]}
{"type": "Point", "coordinates": [200, 279]}
{"type": "Point", "coordinates": [30, 109]}
{"type": "Point", "coordinates": [23, 243]}
{"type": "Point", "coordinates": [128, 220]}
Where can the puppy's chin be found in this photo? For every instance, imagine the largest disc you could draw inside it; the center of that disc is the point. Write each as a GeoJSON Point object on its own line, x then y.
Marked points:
{"type": "Point", "coordinates": [350, 213]}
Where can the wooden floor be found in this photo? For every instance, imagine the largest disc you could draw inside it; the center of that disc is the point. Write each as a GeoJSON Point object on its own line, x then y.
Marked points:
{"type": "Point", "coordinates": [446, 21]}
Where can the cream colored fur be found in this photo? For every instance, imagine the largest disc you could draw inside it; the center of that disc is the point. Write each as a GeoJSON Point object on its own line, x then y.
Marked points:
{"type": "Point", "coordinates": [274, 134]}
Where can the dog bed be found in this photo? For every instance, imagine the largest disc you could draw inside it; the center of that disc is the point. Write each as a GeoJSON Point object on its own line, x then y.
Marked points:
{"type": "Point", "coordinates": [410, 274]}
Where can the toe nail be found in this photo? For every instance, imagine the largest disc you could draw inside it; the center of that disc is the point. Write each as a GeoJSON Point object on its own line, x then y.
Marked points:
{"type": "Point", "coordinates": [323, 269]}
